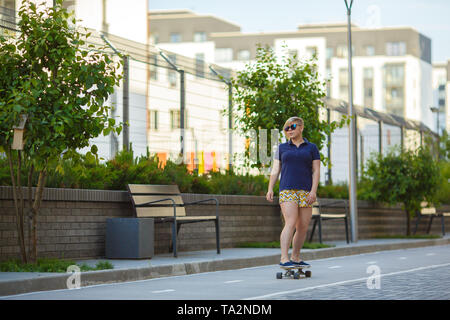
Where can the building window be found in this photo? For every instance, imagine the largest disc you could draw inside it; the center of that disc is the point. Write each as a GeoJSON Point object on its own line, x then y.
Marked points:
{"type": "Point", "coordinates": [175, 37]}
{"type": "Point", "coordinates": [368, 73]}
{"type": "Point", "coordinates": [311, 52]}
{"type": "Point", "coordinates": [224, 55]}
{"type": "Point", "coordinates": [368, 87]}
{"type": "Point", "coordinates": [154, 119]}
{"type": "Point", "coordinates": [370, 50]}
{"type": "Point", "coordinates": [394, 76]}
{"type": "Point", "coordinates": [441, 95]}
{"type": "Point", "coordinates": [175, 119]}
{"type": "Point", "coordinates": [154, 67]}
{"type": "Point", "coordinates": [200, 65]}
{"type": "Point", "coordinates": [172, 74]}
{"type": "Point", "coordinates": [395, 48]}
{"type": "Point", "coordinates": [244, 55]}
{"type": "Point", "coordinates": [343, 84]}
{"type": "Point", "coordinates": [330, 53]}
{"type": "Point", "coordinates": [7, 17]}
{"type": "Point", "coordinates": [200, 36]}
{"type": "Point", "coordinates": [154, 38]}
{"type": "Point", "coordinates": [342, 51]}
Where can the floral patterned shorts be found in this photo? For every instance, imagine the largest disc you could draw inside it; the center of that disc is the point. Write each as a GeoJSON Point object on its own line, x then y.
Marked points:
{"type": "Point", "coordinates": [298, 196]}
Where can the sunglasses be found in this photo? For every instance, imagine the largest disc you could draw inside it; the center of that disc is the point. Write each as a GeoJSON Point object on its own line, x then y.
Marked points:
{"type": "Point", "coordinates": [291, 127]}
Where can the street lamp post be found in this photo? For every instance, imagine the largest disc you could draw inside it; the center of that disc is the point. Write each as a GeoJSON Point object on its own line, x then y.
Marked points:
{"type": "Point", "coordinates": [126, 92]}
{"type": "Point", "coordinates": [230, 117]}
{"type": "Point", "coordinates": [182, 100]}
{"type": "Point", "coordinates": [352, 134]}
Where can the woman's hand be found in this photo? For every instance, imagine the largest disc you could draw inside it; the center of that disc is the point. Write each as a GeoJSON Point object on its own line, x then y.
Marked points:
{"type": "Point", "coordinates": [269, 195]}
{"type": "Point", "coordinates": [311, 198]}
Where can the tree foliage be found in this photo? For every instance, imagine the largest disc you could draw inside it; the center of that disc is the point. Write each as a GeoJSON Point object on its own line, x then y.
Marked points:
{"type": "Point", "coordinates": [408, 177]}
{"type": "Point", "coordinates": [275, 88]}
{"type": "Point", "coordinates": [50, 74]}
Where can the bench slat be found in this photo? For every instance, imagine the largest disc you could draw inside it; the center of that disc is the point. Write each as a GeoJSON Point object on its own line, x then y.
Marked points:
{"type": "Point", "coordinates": [148, 212]}
{"type": "Point", "coordinates": [153, 189]}
{"type": "Point", "coordinates": [144, 199]}
{"type": "Point", "coordinates": [332, 215]}
{"type": "Point", "coordinates": [428, 211]}
{"type": "Point", "coordinates": [197, 218]}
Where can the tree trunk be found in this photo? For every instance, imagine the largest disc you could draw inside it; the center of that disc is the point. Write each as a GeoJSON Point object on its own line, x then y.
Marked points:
{"type": "Point", "coordinates": [19, 225]}
{"type": "Point", "coordinates": [30, 207]}
{"type": "Point", "coordinates": [35, 209]}
{"type": "Point", "coordinates": [408, 223]}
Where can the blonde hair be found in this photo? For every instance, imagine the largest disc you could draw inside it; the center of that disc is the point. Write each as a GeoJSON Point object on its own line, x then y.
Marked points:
{"type": "Point", "coordinates": [297, 120]}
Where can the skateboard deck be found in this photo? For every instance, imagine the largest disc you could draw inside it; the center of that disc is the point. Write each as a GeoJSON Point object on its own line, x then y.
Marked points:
{"type": "Point", "coordinates": [294, 273]}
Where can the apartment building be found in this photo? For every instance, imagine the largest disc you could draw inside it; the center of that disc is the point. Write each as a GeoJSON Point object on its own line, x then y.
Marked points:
{"type": "Point", "coordinates": [441, 95]}
{"type": "Point", "coordinates": [391, 66]}
{"type": "Point", "coordinates": [125, 25]}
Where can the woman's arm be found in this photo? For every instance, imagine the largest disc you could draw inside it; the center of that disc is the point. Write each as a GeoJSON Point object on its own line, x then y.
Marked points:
{"type": "Point", "coordinates": [276, 168]}
{"type": "Point", "coordinates": [315, 182]}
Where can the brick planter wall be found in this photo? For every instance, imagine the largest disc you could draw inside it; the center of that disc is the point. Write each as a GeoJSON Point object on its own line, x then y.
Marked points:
{"type": "Point", "coordinates": [72, 223]}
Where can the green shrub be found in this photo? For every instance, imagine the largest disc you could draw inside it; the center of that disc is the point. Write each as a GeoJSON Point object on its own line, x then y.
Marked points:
{"type": "Point", "coordinates": [443, 193]}
{"type": "Point", "coordinates": [338, 191]}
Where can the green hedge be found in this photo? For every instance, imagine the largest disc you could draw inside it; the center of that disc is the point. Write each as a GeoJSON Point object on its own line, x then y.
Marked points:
{"type": "Point", "coordinates": [86, 172]}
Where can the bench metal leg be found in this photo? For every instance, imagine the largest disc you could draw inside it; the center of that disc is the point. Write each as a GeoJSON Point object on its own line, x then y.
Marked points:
{"type": "Point", "coordinates": [313, 229]}
{"type": "Point", "coordinates": [443, 224]}
{"type": "Point", "coordinates": [346, 230]}
{"type": "Point", "coordinates": [320, 229]}
{"type": "Point", "coordinates": [175, 229]}
{"type": "Point", "coordinates": [217, 235]}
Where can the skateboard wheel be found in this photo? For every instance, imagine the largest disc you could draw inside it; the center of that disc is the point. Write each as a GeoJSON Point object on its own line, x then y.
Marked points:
{"type": "Point", "coordinates": [308, 274]}
{"type": "Point", "coordinates": [279, 275]}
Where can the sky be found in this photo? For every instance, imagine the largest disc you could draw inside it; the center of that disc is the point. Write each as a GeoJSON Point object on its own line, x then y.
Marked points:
{"type": "Point", "coordinates": [429, 17]}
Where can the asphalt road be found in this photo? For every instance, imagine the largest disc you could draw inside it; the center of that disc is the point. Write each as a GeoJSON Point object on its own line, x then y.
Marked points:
{"type": "Point", "coordinates": [420, 273]}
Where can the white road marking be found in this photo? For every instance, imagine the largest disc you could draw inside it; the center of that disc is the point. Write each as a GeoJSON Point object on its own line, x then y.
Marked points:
{"type": "Point", "coordinates": [163, 291]}
{"type": "Point", "coordinates": [334, 267]}
{"type": "Point", "coordinates": [431, 254]}
{"type": "Point", "coordinates": [233, 281]}
{"type": "Point", "coordinates": [344, 282]}
{"type": "Point", "coordinates": [371, 262]}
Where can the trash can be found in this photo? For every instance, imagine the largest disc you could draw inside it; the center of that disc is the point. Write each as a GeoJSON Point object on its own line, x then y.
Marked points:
{"type": "Point", "coordinates": [129, 238]}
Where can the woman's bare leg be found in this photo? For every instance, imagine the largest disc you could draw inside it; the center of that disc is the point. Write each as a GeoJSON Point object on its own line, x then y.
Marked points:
{"type": "Point", "coordinates": [301, 228]}
{"type": "Point", "coordinates": [290, 214]}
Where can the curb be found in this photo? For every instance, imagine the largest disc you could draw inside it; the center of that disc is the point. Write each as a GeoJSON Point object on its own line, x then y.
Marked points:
{"type": "Point", "coordinates": [90, 278]}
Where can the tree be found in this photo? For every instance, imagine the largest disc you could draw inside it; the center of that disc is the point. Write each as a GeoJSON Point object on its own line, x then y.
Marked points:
{"type": "Point", "coordinates": [272, 89]}
{"type": "Point", "coordinates": [61, 84]}
{"type": "Point", "coordinates": [408, 178]}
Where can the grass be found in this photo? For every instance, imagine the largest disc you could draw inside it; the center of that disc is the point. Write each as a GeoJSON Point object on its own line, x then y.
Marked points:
{"type": "Point", "coordinates": [413, 236]}
{"type": "Point", "coordinates": [276, 244]}
{"type": "Point", "coordinates": [49, 265]}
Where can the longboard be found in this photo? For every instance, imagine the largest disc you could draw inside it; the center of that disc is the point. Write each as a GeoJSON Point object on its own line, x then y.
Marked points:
{"type": "Point", "coordinates": [293, 273]}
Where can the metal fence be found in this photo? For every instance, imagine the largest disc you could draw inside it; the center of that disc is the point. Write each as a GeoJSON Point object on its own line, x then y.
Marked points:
{"type": "Point", "coordinates": [160, 86]}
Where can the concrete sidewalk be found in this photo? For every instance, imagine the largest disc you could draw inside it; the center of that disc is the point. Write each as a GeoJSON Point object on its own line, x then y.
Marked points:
{"type": "Point", "coordinates": [165, 265]}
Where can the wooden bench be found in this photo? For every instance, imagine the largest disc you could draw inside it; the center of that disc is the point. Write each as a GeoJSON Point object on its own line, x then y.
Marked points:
{"type": "Point", "coordinates": [432, 213]}
{"type": "Point", "coordinates": [339, 211]}
{"type": "Point", "coordinates": [163, 203]}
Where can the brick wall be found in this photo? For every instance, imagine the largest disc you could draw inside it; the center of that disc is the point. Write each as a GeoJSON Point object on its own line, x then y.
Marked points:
{"type": "Point", "coordinates": [72, 223]}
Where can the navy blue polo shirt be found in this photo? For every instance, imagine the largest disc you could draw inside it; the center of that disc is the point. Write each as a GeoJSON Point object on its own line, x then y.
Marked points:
{"type": "Point", "coordinates": [296, 164]}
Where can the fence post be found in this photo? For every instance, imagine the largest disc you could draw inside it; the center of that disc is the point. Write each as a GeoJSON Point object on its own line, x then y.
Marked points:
{"type": "Point", "coordinates": [126, 102]}
{"type": "Point", "coordinates": [380, 137]}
